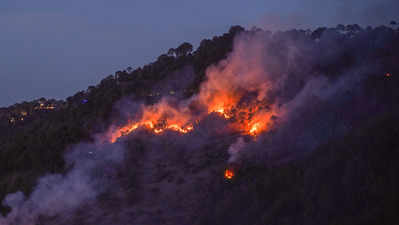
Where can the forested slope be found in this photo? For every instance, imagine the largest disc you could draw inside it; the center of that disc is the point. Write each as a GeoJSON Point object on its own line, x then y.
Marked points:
{"type": "Point", "coordinates": [333, 162]}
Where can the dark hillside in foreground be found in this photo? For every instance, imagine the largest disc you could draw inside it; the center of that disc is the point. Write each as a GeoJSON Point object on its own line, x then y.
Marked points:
{"type": "Point", "coordinates": [349, 178]}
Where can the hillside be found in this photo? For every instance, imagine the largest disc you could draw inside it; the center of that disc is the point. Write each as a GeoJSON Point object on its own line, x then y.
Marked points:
{"type": "Point", "coordinates": [326, 155]}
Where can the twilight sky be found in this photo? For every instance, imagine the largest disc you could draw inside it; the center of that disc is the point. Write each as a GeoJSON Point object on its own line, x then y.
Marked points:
{"type": "Point", "coordinates": [54, 48]}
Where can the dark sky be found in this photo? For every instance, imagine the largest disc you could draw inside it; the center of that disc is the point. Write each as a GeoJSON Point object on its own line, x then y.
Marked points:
{"type": "Point", "coordinates": [54, 48]}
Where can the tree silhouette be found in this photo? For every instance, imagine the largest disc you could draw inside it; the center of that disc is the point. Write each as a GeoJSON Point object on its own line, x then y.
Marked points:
{"type": "Point", "coordinates": [184, 49]}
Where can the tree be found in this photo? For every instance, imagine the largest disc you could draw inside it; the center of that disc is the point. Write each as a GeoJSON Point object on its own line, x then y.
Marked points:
{"type": "Point", "coordinates": [129, 69]}
{"type": "Point", "coordinates": [340, 27]}
{"type": "Point", "coordinates": [318, 32]}
{"type": "Point", "coordinates": [172, 52]}
{"type": "Point", "coordinates": [184, 49]}
{"type": "Point", "coordinates": [163, 57]}
{"type": "Point", "coordinates": [236, 29]}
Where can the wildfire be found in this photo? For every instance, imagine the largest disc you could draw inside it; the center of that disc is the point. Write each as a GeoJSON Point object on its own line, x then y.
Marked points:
{"type": "Point", "coordinates": [236, 90]}
{"type": "Point", "coordinates": [156, 128]}
{"type": "Point", "coordinates": [248, 121]}
{"type": "Point", "coordinates": [254, 128]}
{"type": "Point", "coordinates": [222, 112]}
{"type": "Point", "coordinates": [228, 174]}
{"type": "Point", "coordinates": [250, 118]}
{"type": "Point", "coordinates": [157, 118]}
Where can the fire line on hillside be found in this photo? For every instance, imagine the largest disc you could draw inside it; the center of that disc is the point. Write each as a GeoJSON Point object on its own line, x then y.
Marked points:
{"type": "Point", "coordinates": [244, 106]}
{"type": "Point", "coordinates": [249, 120]}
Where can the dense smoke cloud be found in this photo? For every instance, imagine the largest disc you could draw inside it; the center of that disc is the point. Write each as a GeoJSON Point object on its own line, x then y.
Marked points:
{"type": "Point", "coordinates": [309, 107]}
{"type": "Point", "coordinates": [277, 70]}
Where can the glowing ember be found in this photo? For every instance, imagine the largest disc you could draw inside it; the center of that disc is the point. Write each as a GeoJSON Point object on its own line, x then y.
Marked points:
{"type": "Point", "coordinates": [251, 118]}
{"type": "Point", "coordinates": [157, 129]}
{"type": "Point", "coordinates": [228, 174]}
{"type": "Point", "coordinates": [250, 121]}
{"type": "Point", "coordinates": [254, 128]}
{"type": "Point", "coordinates": [222, 112]}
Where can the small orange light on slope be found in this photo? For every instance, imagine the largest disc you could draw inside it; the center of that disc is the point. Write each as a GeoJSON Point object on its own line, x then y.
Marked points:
{"type": "Point", "coordinates": [228, 174]}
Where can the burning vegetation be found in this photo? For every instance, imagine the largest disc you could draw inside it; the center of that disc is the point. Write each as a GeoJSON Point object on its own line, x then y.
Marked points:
{"type": "Point", "coordinates": [228, 174]}
{"type": "Point", "coordinates": [157, 118]}
{"type": "Point", "coordinates": [235, 90]}
{"type": "Point", "coordinates": [249, 119]}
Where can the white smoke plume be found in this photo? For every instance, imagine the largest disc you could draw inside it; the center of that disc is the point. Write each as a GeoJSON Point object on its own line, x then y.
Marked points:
{"type": "Point", "coordinates": [91, 174]}
{"type": "Point", "coordinates": [234, 149]}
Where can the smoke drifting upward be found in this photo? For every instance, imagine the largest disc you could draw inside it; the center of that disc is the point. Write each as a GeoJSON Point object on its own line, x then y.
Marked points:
{"type": "Point", "coordinates": [235, 149]}
{"type": "Point", "coordinates": [94, 166]}
{"type": "Point", "coordinates": [265, 85]}
{"type": "Point", "coordinates": [236, 89]}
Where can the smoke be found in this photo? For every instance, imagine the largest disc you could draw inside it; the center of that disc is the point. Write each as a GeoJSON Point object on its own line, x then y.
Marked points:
{"type": "Point", "coordinates": [176, 84]}
{"type": "Point", "coordinates": [234, 149]}
{"type": "Point", "coordinates": [309, 108]}
{"type": "Point", "coordinates": [93, 167]}
{"type": "Point", "coordinates": [304, 107]}
{"type": "Point", "coordinates": [266, 88]}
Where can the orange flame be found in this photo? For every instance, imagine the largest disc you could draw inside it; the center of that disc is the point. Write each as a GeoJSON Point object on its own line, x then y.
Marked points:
{"type": "Point", "coordinates": [157, 118]}
{"type": "Point", "coordinates": [125, 130]}
{"type": "Point", "coordinates": [249, 119]}
{"type": "Point", "coordinates": [228, 174]}
{"type": "Point", "coordinates": [236, 89]}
